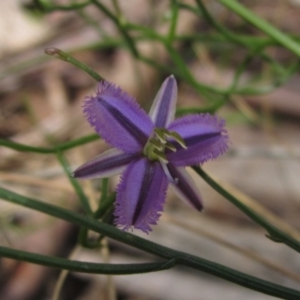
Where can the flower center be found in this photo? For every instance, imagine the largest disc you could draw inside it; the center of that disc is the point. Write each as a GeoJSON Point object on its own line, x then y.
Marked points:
{"type": "Point", "coordinates": [159, 142]}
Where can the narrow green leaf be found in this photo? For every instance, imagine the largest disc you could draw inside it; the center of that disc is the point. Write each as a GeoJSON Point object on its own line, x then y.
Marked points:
{"type": "Point", "coordinates": [77, 187]}
{"type": "Point", "coordinates": [263, 25]}
{"type": "Point", "coordinates": [57, 53]}
{"type": "Point", "coordinates": [47, 7]}
{"type": "Point", "coordinates": [121, 27]}
{"type": "Point", "coordinates": [153, 248]}
{"type": "Point", "coordinates": [41, 150]}
{"type": "Point", "coordinates": [104, 206]}
{"type": "Point", "coordinates": [85, 267]}
{"type": "Point", "coordinates": [273, 231]}
{"type": "Point", "coordinates": [174, 18]}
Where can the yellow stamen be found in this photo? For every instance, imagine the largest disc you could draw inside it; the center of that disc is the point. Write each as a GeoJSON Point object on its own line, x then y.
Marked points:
{"type": "Point", "coordinates": [157, 145]}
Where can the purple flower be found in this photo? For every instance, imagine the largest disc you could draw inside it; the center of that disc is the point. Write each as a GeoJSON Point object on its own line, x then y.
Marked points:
{"type": "Point", "coordinates": [151, 150]}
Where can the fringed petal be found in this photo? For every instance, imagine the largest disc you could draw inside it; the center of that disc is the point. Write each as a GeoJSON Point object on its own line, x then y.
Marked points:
{"type": "Point", "coordinates": [185, 187]}
{"type": "Point", "coordinates": [205, 137]}
{"type": "Point", "coordinates": [141, 195]}
{"type": "Point", "coordinates": [163, 108]}
{"type": "Point", "coordinates": [109, 163]}
{"type": "Point", "coordinates": [118, 118]}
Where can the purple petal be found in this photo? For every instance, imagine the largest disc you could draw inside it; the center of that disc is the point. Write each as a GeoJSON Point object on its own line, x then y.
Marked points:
{"type": "Point", "coordinates": [185, 186]}
{"type": "Point", "coordinates": [164, 105]}
{"type": "Point", "coordinates": [205, 138]}
{"type": "Point", "coordinates": [109, 163]}
{"type": "Point", "coordinates": [141, 194]}
{"type": "Point", "coordinates": [118, 118]}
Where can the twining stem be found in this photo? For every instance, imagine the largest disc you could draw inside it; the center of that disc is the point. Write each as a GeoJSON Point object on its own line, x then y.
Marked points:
{"type": "Point", "coordinates": [275, 233]}
{"type": "Point", "coordinates": [57, 53]}
{"type": "Point", "coordinates": [263, 25]}
{"type": "Point", "coordinates": [173, 22]}
{"type": "Point", "coordinates": [47, 7]}
{"type": "Point", "coordinates": [77, 187]}
{"type": "Point", "coordinates": [63, 275]}
{"type": "Point", "coordinates": [172, 256]}
{"type": "Point", "coordinates": [42, 150]}
{"type": "Point", "coordinates": [121, 27]}
{"type": "Point", "coordinates": [85, 267]}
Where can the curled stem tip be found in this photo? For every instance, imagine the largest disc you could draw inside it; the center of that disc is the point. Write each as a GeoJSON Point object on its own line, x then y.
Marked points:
{"type": "Point", "coordinates": [57, 53]}
{"type": "Point", "coordinates": [52, 51]}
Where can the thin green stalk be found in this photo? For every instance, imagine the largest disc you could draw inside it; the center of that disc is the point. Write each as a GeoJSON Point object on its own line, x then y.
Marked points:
{"type": "Point", "coordinates": [263, 25]}
{"type": "Point", "coordinates": [223, 33]}
{"type": "Point", "coordinates": [146, 33]}
{"type": "Point", "coordinates": [64, 146]}
{"type": "Point", "coordinates": [274, 232]}
{"type": "Point", "coordinates": [182, 111]}
{"type": "Point", "coordinates": [211, 108]}
{"type": "Point", "coordinates": [85, 267]}
{"type": "Point", "coordinates": [179, 257]}
{"type": "Point", "coordinates": [230, 36]}
{"type": "Point", "coordinates": [23, 66]}
{"type": "Point", "coordinates": [130, 42]}
{"type": "Point", "coordinates": [78, 189]}
{"type": "Point", "coordinates": [104, 206]}
{"type": "Point", "coordinates": [246, 41]}
{"type": "Point", "coordinates": [105, 201]}
{"type": "Point", "coordinates": [241, 68]}
{"type": "Point", "coordinates": [269, 88]}
{"type": "Point", "coordinates": [104, 189]}
{"type": "Point", "coordinates": [117, 8]}
{"type": "Point", "coordinates": [240, 91]}
{"type": "Point", "coordinates": [85, 241]}
{"type": "Point", "coordinates": [82, 238]}
{"type": "Point", "coordinates": [108, 43]}
{"type": "Point", "coordinates": [49, 7]}
{"type": "Point", "coordinates": [94, 24]}
{"type": "Point", "coordinates": [186, 74]}
{"type": "Point", "coordinates": [180, 71]}
{"type": "Point", "coordinates": [57, 53]}
{"type": "Point", "coordinates": [282, 78]}
{"type": "Point", "coordinates": [154, 64]}
{"type": "Point", "coordinates": [174, 18]}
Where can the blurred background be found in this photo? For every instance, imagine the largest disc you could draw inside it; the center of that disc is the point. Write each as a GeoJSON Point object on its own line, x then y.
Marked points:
{"type": "Point", "coordinates": [40, 105]}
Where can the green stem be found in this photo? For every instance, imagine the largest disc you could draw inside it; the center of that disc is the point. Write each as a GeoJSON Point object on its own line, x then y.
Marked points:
{"type": "Point", "coordinates": [181, 70]}
{"type": "Point", "coordinates": [104, 206]}
{"type": "Point", "coordinates": [78, 189]}
{"type": "Point", "coordinates": [130, 42]}
{"type": "Point", "coordinates": [174, 19]}
{"type": "Point", "coordinates": [104, 189]}
{"type": "Point", "coordinates": [212, 108]}
{"type": "Point", "coordinates": [263, 25]}
{"type": "Point", "coordinates": [57, 53]}
{"type": "Point", "coordinates": [41, 150]}
{"type": "Point", "coordinates": [187, 75]}
{"type": "Point", "coordinates": [241, 68]}
{"type": "Point", "coordinates": [117, 8]}
{"type": "Point", "coordinates": [275, 233]}
{"type": "Point", "coordinates": [85, 267]}
{"type": "Point", "coordinates": [181, 258]}
{"type": "Point", "coordinates": [228, 35]}
{"type": "Point", "coordinates": [86, 242]}
{"type": "Point", "coordinates": [47, 7]}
